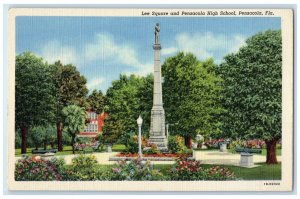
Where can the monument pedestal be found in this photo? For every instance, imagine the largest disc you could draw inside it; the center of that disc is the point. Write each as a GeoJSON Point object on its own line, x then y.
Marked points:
{"type": "Point", "coordinates": [157, 129]}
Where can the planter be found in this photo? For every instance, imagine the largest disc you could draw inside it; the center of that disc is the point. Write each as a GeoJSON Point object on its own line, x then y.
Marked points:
{"type": "Point", "coordinates": [108, 148]}
{"type": "Point", "coordinates": [195, 145]}
{"type": "Point", "coordinates": [246, 160]}
{"type": "Point", "coordinates": [223, 147]}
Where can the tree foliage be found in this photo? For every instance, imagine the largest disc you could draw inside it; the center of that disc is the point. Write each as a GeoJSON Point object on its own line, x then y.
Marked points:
{"type": "Point", "coordinates": [96, 101]}
{"type": "Point", "coordinates": [42, 136]}
{"type": "Point", "coordinates": [129, 97]}
{"type": "Point", "coordinates": [74, 121]}
{"type": "Point", "coordinates": [71, 89]}
{"type": "Point", "coordinates": [71, 85]}
{"type": "Point", "coordinates": [252, 89]}
{"type": "Point", "coordinates": [35, 94]}
{"type": "Point", "coordinates": [191, 93]}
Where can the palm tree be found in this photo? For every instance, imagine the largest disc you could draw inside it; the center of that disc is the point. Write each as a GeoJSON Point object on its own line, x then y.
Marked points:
{"type": "Point", "coordinates": [74, 121]}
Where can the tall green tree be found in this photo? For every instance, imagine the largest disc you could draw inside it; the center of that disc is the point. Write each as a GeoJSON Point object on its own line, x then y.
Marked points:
{"type": "Point", "coordinates": [145, 96]}
{"type": "Point", "coordinates": [191, 96]}
{"type": "Point", "coordinates": [252, 82]}
{"type": "Point", "coordinates": [36, 135]}
{"type": "Point", "coordinates": [96, 101]}
{"type": "Point", "coordinates": [71, 89]}
{"type": "Point", "coordinates": [50, 136]}
{"type": "Point", "coordinates": [74, 121]}
{"type": "Point", "coordinates": [42, 136]}
{"type": "Point", "coordinates": [129, 97]}
{"type": "Point", "coordinates": [35, 94]}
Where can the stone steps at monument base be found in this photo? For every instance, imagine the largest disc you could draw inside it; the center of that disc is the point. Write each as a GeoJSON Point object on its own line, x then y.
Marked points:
{"type": "Point", "coordinates": [158, 140]}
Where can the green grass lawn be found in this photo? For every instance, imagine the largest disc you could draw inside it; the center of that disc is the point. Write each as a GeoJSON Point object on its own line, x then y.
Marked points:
{"type": "Point", "coordinates": [119, 147]}
{"type": "Point", "coordinates": [67, 150]}
{"type": "Point", "coordinates": [264, 152]}
{"type": "Point", "coordinates": [262, 172]}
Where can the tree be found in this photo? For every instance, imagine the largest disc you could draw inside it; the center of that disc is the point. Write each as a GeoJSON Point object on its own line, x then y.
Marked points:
{"type": "Point", "coordinates": [252, 91]}
{"type": "Point", "coordinates": [35, 94]}
{"type": "Point", "coordinates": [42, 135]}
{"type": "Point", "coordinates": [145, 96]}
{"type": "Point", "coordinates": [71, 89]}
{"type": "Point", "coordinates": [129, 97]}
{"type": "Point", "coordinates": [191, 93]}
{"type": "Point", "coordinates": [96, 101]}
{"type": "Point", "coordinates": [50, 136]}
{"type": "Point", "coordinates": [36, 134]}
{"type": "Point", "coordinates": [74, 121]}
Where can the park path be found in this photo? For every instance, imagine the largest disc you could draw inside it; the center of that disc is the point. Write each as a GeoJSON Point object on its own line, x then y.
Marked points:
{"type": "Point", "coordinates": [206, 157]}
{"type": "Point", "coordinates": [225, 158]}
{"type": "Point", "coordinates": [102, 158]}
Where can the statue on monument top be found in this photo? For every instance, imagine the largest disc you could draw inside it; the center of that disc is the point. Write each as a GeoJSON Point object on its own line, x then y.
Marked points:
{"type": "Point", "coordinates": [156, 33]}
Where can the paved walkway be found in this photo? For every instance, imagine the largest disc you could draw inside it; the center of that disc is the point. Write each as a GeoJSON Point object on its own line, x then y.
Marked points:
{"type": "Point", "coordinates": [206, 157]}
{"type": "Point", "coordinates": [225, 158]}
{"type": "Point", "coordinates": [102, 158]}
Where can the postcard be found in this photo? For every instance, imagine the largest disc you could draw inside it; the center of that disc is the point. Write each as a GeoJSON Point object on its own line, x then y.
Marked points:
{"type": "Point", "coordinates": [147, 99]}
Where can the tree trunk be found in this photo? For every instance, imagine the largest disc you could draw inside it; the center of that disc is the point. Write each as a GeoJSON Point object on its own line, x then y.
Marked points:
{"type": "Point", "coordinates": [59, 136]}
{"type": "Point", "coordinates": [271, 151]}
{"type": "Point", "coordinates": [188, 142]}
{"type": "Point", "coordinates": [45, 145]}
{"type": "Point", "coordinates": [52, 145]}
{"type": "Point", "coordinates": [24, 131]}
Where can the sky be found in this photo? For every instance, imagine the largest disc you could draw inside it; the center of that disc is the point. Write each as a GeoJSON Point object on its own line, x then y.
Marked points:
{"type": "Point", "coordinates": [104, 47]}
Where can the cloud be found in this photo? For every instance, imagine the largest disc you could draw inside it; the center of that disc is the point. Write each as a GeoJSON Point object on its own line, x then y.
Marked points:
{"type": "Point", "coordinates": [104, 47]}
{"type": "Point", "coordinates": [207, 44]}
{"type": "Point", "coordinates": [168, 51]}
{"type": "Point", "coordinates": [143, 70]}
{"type": "Point", "coordinates": [54, 50]}
{"type": "Point", "coordinates": [95, 83]}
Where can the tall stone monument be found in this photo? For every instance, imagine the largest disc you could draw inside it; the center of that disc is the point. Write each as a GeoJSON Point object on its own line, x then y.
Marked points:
{"type": "Point", "coordinates": [157, 128]}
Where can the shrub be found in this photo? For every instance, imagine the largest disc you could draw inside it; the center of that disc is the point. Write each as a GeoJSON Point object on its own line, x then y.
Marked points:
{"type": "Point", "coordinates": [176, 144]}
{"type": "Point", "coordinates": [135, 170]}
{"type": "Point", "coordinates": [153, 150]}
{"type": "Point", "coordinates": [214, 143]}
{"type": "Point", "coordinates": [38, 169]}
{"type": "Point", "coordinates": [186, 170]}
{"type": "Point", "coordinates": [191, 170]}
{"type": "Point", "coordinates": [84, 167]}
{"type": "Point", "coordinates": [220, 173]}
{"type": "Point", "coordinates": [252, 144]}
{"type": "Point", "coordinates": [132, 145]}
{"type": "Point", "coordinates": [86, 144]}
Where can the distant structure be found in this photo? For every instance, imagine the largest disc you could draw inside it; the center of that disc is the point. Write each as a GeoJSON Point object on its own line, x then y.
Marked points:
{"type": "Point", "coordinates": [157, 128]}
{"type": "Point", "coordinates": [94, 127]}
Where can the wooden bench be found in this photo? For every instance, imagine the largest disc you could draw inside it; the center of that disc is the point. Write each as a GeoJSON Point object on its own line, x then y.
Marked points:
{"type": "Point", "coordinates": [247, 150]}
{"type": "Point", "coordinates": [43, 151]}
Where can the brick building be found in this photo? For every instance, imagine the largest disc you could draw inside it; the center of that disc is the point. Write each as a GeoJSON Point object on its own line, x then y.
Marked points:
{"type": "Point", "coordinates": [94, 127]}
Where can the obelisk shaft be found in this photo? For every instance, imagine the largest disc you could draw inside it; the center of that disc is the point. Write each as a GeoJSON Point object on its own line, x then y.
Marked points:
{"type": "Point", "coordinates": [157, 128]}
{"type": "Point", "coordinates": [157, 88]}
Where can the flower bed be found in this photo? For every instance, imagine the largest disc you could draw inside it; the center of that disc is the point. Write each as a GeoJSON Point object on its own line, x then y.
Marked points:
{"type": "Point", "coordinates": [164, 155]}
{"type": "Point", "coordinates": [152, 157]}
{"type": "Point", "coordinates": [86, 168]}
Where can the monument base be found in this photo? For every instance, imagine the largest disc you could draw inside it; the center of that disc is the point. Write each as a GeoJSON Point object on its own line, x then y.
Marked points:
{"type": "Point", "coordinates": [160, 141]}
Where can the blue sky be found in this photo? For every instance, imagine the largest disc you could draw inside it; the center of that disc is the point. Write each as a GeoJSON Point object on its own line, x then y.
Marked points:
{"type": "Point", "coordinates": [104, 47]}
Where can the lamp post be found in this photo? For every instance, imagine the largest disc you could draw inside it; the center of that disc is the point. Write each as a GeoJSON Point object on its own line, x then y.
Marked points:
{"type": "Point", "coordinates": [139, 123]}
